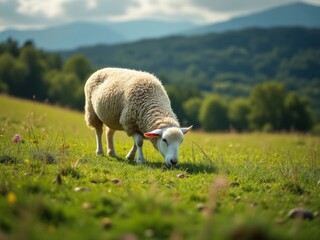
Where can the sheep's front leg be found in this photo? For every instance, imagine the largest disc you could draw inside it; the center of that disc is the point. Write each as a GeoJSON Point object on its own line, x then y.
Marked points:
{"type": "Point", "coordinates": [110, 145]}
{"type": "Point", "coordinates": [132, 153]}
{"type": "Point", "coordinates": [138, 141]}
{"type": "Point", "coordinates": [99, 150]}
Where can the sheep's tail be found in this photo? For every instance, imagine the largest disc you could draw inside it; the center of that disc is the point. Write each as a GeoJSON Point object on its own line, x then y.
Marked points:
{"type": "Point", "coordinates": [90, 116]}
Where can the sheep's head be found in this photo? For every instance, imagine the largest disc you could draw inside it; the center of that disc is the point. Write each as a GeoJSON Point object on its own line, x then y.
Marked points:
{"type": "Point", "coordinates": [168, 141]}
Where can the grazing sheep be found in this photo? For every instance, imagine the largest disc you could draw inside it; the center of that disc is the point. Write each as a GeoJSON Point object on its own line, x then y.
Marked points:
{"type": "Point", "coordinates": [137, 103]}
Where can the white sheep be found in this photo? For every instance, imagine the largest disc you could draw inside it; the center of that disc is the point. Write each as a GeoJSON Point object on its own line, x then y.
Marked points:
{"type": "Point", "coordinates": [137, 103]}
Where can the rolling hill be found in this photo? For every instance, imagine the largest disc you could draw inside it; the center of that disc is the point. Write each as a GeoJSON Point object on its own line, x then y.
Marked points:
{"type": "Point", "coordinates": [83, 196]}
{"type": "Point", "coordinates": [291, 15]}
{"type": "Point", "coordinates": [66, 36]}
{"type": "Point", "coordinates": [74, 35]}
{"type": "Point", "coordinates": [78, 34]}
{"type": "Point", "coordinates": [227, 63]}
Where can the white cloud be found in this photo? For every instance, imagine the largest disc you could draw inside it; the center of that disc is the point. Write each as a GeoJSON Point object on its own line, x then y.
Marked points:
{"type": "Point", "coordinates": [47, 8]}
{"type": "Point", "coordinates": [37, 13]}
{"type": "Point", "coordinates": [71, 9]}
{"type": "Point", "coordinates": [236, 7]}
{"type": "Point", "coordinates": [95, 10]}
{"type": "Point", "coordinates": [91, 4]}
{"type": "Point", "coordinates": [169, 10]}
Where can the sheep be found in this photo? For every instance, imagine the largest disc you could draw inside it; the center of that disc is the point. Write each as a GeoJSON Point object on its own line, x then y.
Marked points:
{"type": "Point", "coordinates": [137, 103]}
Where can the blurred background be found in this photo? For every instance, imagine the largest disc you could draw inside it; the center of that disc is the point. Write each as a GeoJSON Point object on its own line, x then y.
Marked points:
{"type": "Point", "coordinates": [227, 65]}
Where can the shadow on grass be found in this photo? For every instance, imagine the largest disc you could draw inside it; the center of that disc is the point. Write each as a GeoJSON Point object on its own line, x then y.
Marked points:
{"type": "Point", "coordinates": [188, 167]}
{"type": "Point", "coordinates": [6, 159]}
{"type": "Point", "coordinates": [195, 168]}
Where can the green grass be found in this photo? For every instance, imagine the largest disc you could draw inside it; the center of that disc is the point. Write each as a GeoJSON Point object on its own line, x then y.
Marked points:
{"type": "Point", "coordinates": [226, 186]}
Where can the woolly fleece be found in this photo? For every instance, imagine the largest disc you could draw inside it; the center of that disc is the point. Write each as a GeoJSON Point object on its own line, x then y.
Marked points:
{"type": "Point", "coordinates": [128, 100]}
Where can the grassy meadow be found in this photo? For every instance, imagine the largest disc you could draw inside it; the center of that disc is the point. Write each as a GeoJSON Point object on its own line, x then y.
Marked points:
{"type": "Point", "coordinates": [226, 186]}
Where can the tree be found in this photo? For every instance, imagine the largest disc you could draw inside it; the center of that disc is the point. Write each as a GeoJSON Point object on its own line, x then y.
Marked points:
{"type": "Point", "coordinates": [65, 89]}
{"type": "Point", "coordinates": [267, 106]}
{"type": "Point", "coordinates": [239, 110]}
{"type": "Point", "coordinates": [54, 61]}
{"type": "Point", "coordinates": [78, 65]}
{"type": "Point", "coordinates": [36, 67]}
{"type": "Point", "coordinates": [191, 108]}
{"type": "Point", "coordinates": [10, 46]}
{"type": "Point", "coordinates": [12, 73]}
{"type": "Point", "coordinates": [298, 113]}
{"type": "Point", "coordinates": [178, 95]}
{"type": "Point", "coordinates": [213, 114]}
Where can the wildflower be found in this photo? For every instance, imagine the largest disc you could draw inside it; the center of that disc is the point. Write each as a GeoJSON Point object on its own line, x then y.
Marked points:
{"type": "Point", "coordinates": [26, 161]}
{"type": "Point", "coordinates": [12, 198]}
{"type": "Point", "coordinates": [16, 138]}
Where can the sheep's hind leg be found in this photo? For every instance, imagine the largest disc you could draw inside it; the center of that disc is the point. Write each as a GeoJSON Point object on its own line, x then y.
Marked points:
{"type": "Point", "coordinates": [110, 144]}
{"type": "Point", "coordinates": [138, 141]}
{"type": "Point", "coordinates": [99, 150]}
{"type": "Point", "coordinates": [130, 156]}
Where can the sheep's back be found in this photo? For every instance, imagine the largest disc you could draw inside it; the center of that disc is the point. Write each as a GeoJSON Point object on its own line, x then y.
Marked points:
{"type": "Point", "coordinates": [107, 95]}
{"type": "Point", "coordinates": [128, 99]}
{"type": "Point", "coordinates": [148, 104]}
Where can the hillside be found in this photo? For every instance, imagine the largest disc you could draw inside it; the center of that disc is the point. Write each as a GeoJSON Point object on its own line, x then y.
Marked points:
{"type": "Point", "coordinates": [78, 34]}
{"type": "Point", "coordinates": [226, 63]}
{"type": "Point", "coordinates": [291, 15]}
{"type": "Point", "coordinates": [52, 184]}
{"type": "Point", "coordinates": [73, 35]}
{"type": "Point", "coordinates": [66, 36]}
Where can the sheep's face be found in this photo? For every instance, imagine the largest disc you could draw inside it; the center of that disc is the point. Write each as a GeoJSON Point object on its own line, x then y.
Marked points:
{"type": "Point", "coordinates": [168, 142]}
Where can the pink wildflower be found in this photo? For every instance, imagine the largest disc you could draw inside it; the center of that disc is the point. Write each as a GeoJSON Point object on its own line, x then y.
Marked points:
{"type": "Point", "coordinates": [16, 138]}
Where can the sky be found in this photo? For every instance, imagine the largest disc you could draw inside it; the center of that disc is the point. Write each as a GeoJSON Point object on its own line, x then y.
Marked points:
{"type": "Point", "coordinates": [33, 14]}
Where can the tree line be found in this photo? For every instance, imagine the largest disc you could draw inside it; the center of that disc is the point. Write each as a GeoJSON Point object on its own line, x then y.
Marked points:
{"type": "Point", "coordinates": [227, 63]}
{"type": "Point", "coordinates": [27, 72]}
{"type": "Point", "coordinates": [269, 107]}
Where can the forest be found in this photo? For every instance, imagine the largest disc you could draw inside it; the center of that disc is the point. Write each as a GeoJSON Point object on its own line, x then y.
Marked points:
{"type": "Point", "coordinates": [254, 79]}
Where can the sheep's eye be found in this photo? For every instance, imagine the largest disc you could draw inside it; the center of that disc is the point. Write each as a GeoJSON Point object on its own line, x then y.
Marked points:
{"type": "Point", "coordinates": [164, 140]}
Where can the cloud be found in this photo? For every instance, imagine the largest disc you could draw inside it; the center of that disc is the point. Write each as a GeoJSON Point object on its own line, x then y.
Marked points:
{"type": "Point", "coordinates": [40, 13]}
{"type": "Point", "coordinates": [197, 10]}
{"type": "Point", "coordinates": [21, 14]}
{"type": "Point", "coordinates": [241, 7]}
{"type": "Point", "coordinates": [24, 13]}
{"type": "Point", "coordinates": [73, 9]}
{"type": "Point", "coordinates": [96, 9]}
{"type": "Point", "coordinates": [10, 17]}
{"type": "Point", "coordinates": [48, 9]}
{"type": "Point", "coordinates": [169, 10]}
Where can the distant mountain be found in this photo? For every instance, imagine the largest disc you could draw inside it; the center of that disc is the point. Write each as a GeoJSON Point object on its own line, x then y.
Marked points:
{"type": "Point", "coordinates": [142, 29]}
{"type": "Point", "coordinates": [74, 35]}
{"type": "Point", "coordinates": [66, 36]}
{"type": "Point", "coordinates": [227, 63]}
{"type": "Point", "coordinates": [78, 34]}
{"type": "Point", "coordinates": [296, 14]}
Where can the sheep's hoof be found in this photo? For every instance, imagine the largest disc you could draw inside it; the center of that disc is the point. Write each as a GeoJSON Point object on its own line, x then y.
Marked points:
{"type": "Point", "coordinates": [130, 157]}
{"type": "Point", "coordinates": [99, 152]}
{"type": "Point", "coordinates": [141, 161]}
{"type": "Point", "coordinates": [112, 154]}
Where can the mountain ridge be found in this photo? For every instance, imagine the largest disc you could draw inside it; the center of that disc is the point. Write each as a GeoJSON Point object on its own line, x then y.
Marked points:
{"type": "Point", "coordinates": [229, 63]}
{"type": "Point", "coordinates": [80, 34]}
{"type": "Point", "coordinates": [290, 15]}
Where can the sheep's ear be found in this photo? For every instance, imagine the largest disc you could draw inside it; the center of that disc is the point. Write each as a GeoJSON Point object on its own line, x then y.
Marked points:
{"type": "Point", "coordinates": [153, 134]}
{"type": "Point", "coordinates": [185, 130]}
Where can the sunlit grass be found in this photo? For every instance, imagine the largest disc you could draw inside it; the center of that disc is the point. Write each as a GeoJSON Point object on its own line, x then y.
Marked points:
{"type": "Point", "coordinates": [225, 185]}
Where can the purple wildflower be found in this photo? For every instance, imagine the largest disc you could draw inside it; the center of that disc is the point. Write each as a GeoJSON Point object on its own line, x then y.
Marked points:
{"type": "Point", "coordinates": [16, 138]}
